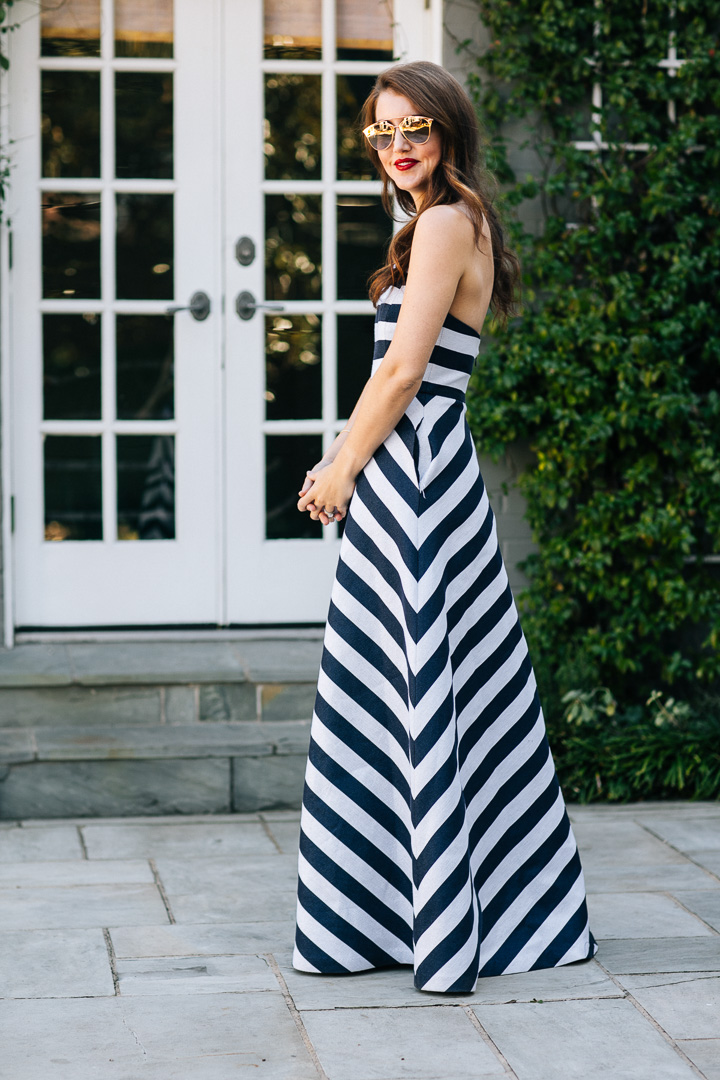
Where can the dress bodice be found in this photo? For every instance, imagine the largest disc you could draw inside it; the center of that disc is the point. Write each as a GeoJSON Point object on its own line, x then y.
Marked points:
{"type": "Point", "coordinates": [453, 355]}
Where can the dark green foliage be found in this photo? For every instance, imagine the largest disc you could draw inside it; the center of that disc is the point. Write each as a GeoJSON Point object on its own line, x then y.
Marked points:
{"type": "Point", "coordinates": [612, 373]}
{"type": "Point", "coordinates": [662, 750]}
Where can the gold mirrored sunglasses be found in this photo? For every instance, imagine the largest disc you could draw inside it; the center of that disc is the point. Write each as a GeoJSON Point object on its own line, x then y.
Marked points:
{"type": "Point", "coordinates": [381, 135]}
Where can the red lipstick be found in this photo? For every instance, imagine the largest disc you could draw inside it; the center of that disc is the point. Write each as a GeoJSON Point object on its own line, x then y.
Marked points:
{"type": "Point", "coordinates": [405, 163]}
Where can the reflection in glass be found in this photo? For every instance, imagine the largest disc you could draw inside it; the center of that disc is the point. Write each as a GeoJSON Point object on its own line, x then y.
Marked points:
{"type": "Point", "coordinates": [293, 29]}
{"type": "Point", "coordinates": [287, 458]}
{"type": "Point", "coordinates": [144, 367]}
{"type": "Point", "coordinates": [71, 367]}
{"type": "Point", "coordinates": [354, 359]}
{"type": "Point", "coordinates": [73, 487]}
{"type": "Point", "coordinates": [70, 123]}
{"type": "Point", "coordinates": [143, 27]}
{"type": "Point", "coordinates": [293, 247]}
{"type": "Point", "coordinates": [71, 245]}
{"type": "Point", "coordinates": [293, 371]}
{"type": "Point", "coordinates": [364, 31]}
{"type": "Point", "coordinates": [144, 124]}
{"type": "Point", "coordinates": [353, 162]}
{"type": "Point", "coordinates": [144, 247]}
{"type": "Point", "coordinates": [70, 27]}
{"type": "Point", "coordinates": [146, 487]}
{"type": "Point", "coordinates": [292, 127]}
{"type": "Point", "coordinates": [364, 229]}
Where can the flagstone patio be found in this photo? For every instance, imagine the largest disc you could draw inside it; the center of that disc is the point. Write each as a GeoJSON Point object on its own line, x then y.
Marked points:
{"type": "Point", "coordinates": [161, 948]}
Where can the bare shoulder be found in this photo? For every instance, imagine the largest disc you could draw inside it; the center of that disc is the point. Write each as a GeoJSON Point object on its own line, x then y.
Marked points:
{"type": "Point", "coordinates": [445, 225]}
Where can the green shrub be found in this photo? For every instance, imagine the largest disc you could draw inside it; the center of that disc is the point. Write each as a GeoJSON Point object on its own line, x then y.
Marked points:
{"type": "Point", "coordinates": [611, 374]}
{"type": "Point", "coordinates": [664, 750]}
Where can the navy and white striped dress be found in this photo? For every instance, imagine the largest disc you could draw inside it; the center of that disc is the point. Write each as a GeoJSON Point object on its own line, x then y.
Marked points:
{"type": "Point", "coordinates": [433, 829]}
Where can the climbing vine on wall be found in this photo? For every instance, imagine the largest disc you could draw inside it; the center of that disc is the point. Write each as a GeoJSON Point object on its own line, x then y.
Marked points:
{"type": "Point", "coordinates": [613, 371]}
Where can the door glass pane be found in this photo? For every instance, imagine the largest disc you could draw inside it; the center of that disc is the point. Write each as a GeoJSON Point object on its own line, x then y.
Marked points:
{"type": "Point", "coordinates": [355, 335]}
{"type": "Point", "coordinates": [292, 127]}
{"type": "Point", "coordinates": [73, 487]}
{"type": "Point", "coordinates": [70, 27]}
{"type": "Point", "coordinates": [287, 459]}
{"type": "Point", "coordinates": [353, 162]}
{"type": "Point", "coordinates": [70, 123]}
{"type": "Point", "coordinates": [363, 232]}
{"type": "Point", "coordinates": [144, 247]}
{"type": "Point", "coordinates": [293, 247]}
{"type": "Point", "coordinates": [364, 30]}
{"type": "Point", "coordinates": [144, 124]}
{"type": "Point", "coordinates": [293, 372]}
{"type": "Point", "coordinates": [71, 245]}
{"type": "Point", "coordinates": [144, 27]}
{"type": "Point", "coordinates": [145, 375]}
{"type": "Point", "coordinates": [293, 28]}
{"type": "Point", "coordinates": [71, 367]}
{"type": "Point", "coordinates": [146, 487]}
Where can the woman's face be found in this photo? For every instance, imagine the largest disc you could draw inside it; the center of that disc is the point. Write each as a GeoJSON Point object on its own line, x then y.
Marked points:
{"type": "Point", "coordinates": [410, 166]}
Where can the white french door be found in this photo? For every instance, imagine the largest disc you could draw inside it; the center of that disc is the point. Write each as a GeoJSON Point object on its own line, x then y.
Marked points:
{"type": "Point", "coordinates": [162, 151]}
{"type": "Point", "coordinates": [115, 216]}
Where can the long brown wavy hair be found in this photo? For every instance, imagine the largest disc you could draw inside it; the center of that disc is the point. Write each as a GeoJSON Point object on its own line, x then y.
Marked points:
{"type": "Point", "coordinates": [460, 177]}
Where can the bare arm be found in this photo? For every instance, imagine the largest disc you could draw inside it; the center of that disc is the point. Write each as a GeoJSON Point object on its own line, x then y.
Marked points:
{"type": "Point", "coordinates": [442, 246]}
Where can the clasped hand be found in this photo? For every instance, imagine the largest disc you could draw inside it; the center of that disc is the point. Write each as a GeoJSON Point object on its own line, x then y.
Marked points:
{"type": "Point", "coordinates": [326, 493]}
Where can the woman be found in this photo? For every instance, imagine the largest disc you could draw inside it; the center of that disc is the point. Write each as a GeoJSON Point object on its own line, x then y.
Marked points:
{"type": "Point", "coordinates": [433, 829]}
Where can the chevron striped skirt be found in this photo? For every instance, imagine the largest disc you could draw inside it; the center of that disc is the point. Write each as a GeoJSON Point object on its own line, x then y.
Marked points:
{"type": "Point", "coordinates": [433, 829]}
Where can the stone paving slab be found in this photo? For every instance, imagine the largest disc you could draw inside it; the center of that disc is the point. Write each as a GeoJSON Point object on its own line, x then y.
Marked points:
{"type": "Point", "coordinates": [647, 956]}
{"type": "Point", "coordinates": [215, 891]}
{"type": "Point", "coordinates": [706, 905]}
{"type": "Point", "coordinates": [264, 660]}
{"type": "Point", "coordinates": [710, 859]}
{"type": "Point", "coordinates": [150, 662]}
{"type": "Point", "coordinates": [208, 1037]}
{"type": "Point", "coordinates": [678, 808]}
{"type": "Point", "coordinates": [157, 786]}
{"type": "Point", "coordinates": [705, 1053]}
{"type": "Point", "coordinates": [286, 834]}
{"type": "Point", "coordinates": [54, 963]}
{"type": "Point", "coordinates": [278, 782]}
{"type": "Point", "coordinates": [581, 1040]}
{"type": "Point", "coordinates": [196, 839]}
{"type": "Point", "coordinates": [41, 842]}
{"type": "Point", "coordinates": [194, 975]}
{"type": "Point", "coordinates": [80, 906]}
{"type": "Point", "coordinates": [689, 831]}
{"type": "Point", "coordinates": [76, 872]}
{"type": "Point", "coordinates": [666, 878]}
{"type": "Point", "coordinates": [639, 915]}
{"type": "Point", "coordinates": [16, 746]}
{"type": "Point", "coordinates": [30, 706]}
{"type": "Point", "coordinates": [203, 940]}
{"type": "Point", "coordinates": [153, 741]}
{"type": "Point", "coordinates": [601, 842]}
{"type": "Point", "coordinates": [280, 661]}
{"type": "Point", "coordinates": [401, 1044]}
{"type": "Point", "coordinates": [35, 665]}
{"type": "Point", "coordinates": [687, 1006]}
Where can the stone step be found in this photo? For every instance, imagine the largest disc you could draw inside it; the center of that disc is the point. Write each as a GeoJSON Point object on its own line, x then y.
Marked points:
{"type": "Point", "coordinates": [153, 682]}
{"type": "Point", "coordinates": [155, 727]}
{"type": "Point", "coordinates": [122, 770]}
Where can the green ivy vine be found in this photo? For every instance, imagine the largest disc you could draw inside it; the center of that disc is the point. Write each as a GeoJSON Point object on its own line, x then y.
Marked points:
{"type": "Point", "coordinates": [611, 373]}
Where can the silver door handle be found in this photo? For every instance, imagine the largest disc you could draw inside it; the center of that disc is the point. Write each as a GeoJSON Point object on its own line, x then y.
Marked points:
{"type": "Point", "coordinates": [246, 306]}
{"type": "Point", "coordinates": [199, 306]}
